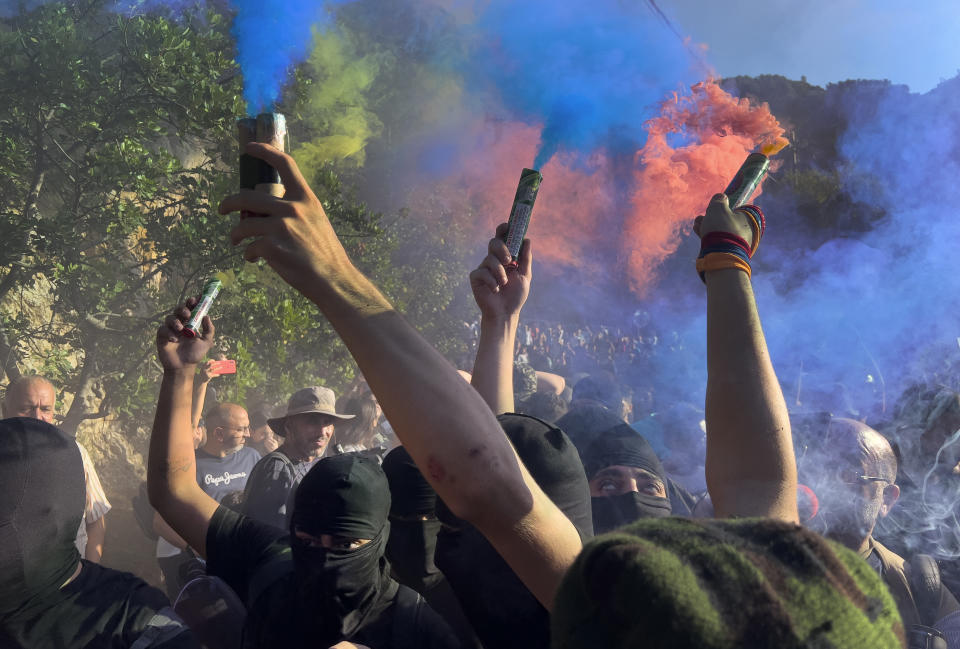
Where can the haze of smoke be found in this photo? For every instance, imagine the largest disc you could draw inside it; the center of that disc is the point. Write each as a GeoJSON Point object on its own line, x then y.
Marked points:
{"type": "Point", "coordinates": [336, 102]}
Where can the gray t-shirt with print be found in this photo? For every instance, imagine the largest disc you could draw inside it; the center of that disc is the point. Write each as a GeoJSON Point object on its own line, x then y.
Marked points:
{"type": "Point", "coordinates": [221, 476]}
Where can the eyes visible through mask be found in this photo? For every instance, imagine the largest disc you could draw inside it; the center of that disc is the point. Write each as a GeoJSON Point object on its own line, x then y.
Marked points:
{"type": "Point", "coordinates": [619, 480]}
{"type": "Point", "coordinates": [330, 542]}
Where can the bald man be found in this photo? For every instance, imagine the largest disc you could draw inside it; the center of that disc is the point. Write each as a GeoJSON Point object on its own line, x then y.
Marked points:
{"type": "Point", "coordinates": [35, 396]}
{"type": "Point", "coordinates": [854, 470]}
{"type": "Point", "coordinates": [224, 463]}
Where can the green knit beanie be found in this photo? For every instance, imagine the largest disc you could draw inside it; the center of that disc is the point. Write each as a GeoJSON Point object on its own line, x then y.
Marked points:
{"type": "Point", "coordinates": [682, 583]}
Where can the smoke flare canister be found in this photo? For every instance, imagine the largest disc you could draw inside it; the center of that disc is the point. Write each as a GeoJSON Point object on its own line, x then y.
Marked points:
{"type": "Point", "coordinates": [270, 128]}
{"type": "Point", "coordinates": [745, 183]}
{"type": "Point", "coordinates": [194, 325]}
{"type": "Point", "coordinates": [521, 211]}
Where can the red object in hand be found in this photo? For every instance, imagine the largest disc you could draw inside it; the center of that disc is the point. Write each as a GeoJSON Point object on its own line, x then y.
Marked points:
{"type": "Point", "coordinates": [218, 368]}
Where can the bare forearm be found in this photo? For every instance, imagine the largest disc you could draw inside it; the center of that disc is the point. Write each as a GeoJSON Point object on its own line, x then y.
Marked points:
{"type": "Point", "coordinates": [493, 367]}
{"type": "Point", "coordinates": [443, 422]}
{"type": "Point", "coordinates": [171, 468]}
{"type": "Point", "coordinates": [199, 397]}
{"type": "Point", "coordinates": [750, 468]}
{"type": "Point", "coordinates": [96, 535]}
{"type": "Point", "coordinates": [166, 532]}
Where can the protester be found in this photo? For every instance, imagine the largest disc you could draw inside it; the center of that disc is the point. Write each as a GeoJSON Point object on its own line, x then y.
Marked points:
{"type": "Point", "coordinates": [306, 430]}
{"type": "Point", "coordinates": [223, 466]}
{"type": "Point", "coordinates": [359, 434]}
{"type": "Point", "coordinates": [224, 463]}
{"type": "Point", "coordinates": [324, 581]}
{"type": "Point", "coordinates": [49, 596]}
{"type": "Point", "coordinates": [412, 546]}
{"type": "Point", "coordinates": [628, 482]}
{"type": "Point", "coordinates": [34, 396]}
{"type": "Point", "coordinates": [854, 472]}
{"type": "Point", "coordinates": [262, 438]}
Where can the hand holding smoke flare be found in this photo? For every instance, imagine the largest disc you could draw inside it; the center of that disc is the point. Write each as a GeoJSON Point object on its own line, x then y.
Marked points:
{"type": "Point", "coordinates": [192, 327]}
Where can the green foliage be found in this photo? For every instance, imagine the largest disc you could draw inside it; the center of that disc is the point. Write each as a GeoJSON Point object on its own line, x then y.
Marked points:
{"type": "Point", "coordinates": [116, 148]}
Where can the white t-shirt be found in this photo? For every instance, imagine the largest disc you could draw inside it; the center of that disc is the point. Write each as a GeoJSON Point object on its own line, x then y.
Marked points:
{"type": "Point", "coordinates": [97, 504]}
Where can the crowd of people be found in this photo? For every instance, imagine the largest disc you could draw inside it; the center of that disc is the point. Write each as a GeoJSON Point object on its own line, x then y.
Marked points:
{"type": "Point", "coordinates": [526, 502]}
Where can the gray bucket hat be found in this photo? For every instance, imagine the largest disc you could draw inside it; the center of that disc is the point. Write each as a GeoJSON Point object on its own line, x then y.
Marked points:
{"type": "Point", "coordinates": [313, 399]}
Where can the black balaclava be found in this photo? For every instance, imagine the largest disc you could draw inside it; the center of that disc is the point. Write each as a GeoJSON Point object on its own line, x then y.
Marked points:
{"type": "Point", "coordinates": [585, 423]}
{"type": "Point", "coordinates": [42, 497]}
{"type": "Point", "coordinates": [346, 495]}
{"type": "Point", "coordinates": [502, 611]}
{"type": "Point", "coordinates": [413, 523]}
{"type": "Point", "coordinates": [623, 446]}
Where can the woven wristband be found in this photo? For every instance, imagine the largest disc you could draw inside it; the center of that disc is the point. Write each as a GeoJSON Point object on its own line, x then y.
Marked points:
{"type": "Point", "coordinates": [758, 223]}
{"type": "Point", "coordinates": [721, 261]}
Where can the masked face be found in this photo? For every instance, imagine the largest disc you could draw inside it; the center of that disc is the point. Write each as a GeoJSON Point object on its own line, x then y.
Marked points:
{"type": "Point", "coordinates": [338, 578]}
{"type": "Point", "coordinates": [612, 512]}
{"type": "Point", "coordinates": [618, 480]}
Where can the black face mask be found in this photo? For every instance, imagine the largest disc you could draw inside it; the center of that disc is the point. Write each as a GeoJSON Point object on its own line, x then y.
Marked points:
{"type": "Point", "coordinates": [411, 550]}
{"type": "Point", "coordinates": [611, 512]}
{"type": "Point", "coordinates": [342, 589]}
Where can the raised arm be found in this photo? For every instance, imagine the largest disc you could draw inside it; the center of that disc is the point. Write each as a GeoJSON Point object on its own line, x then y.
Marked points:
{"type": "Point", "coordinates": [750, 469]}
{"type": "Point", "coordinates": [500, 293]}
{"type": "Point", "coordinates": [449, 430]}
{"type": "Point", "coordinates": [200, 385]}
{"type": "Point", "coordinates": [172, 466]}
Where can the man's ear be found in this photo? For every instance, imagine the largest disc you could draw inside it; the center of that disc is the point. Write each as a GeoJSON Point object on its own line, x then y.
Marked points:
{"type": "Point", "coordinates": [891, 493]}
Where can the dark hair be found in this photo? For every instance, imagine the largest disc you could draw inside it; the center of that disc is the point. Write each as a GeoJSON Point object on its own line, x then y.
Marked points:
{"type": "Point", "coordinates": [359, 429]}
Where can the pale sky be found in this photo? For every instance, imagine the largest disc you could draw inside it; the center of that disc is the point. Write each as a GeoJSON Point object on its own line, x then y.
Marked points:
{"type": "Point", "coordinates": [905, 41]}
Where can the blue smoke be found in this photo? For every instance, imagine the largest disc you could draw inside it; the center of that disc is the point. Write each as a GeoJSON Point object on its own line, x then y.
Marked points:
{"type": "Point", "coordinates": [591, 74]}
{"type": "Point", "coordinates": [272, 36]}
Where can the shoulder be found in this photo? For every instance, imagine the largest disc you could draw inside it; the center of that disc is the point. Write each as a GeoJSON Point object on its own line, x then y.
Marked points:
{"type": "Point", "coordinates": [419, 624]}
{"type": "Point", "coordinates": [238, 545]}
{"type": "Point", "coordinates": [248, 456]}
{"type": "Point", "coordinates": [890, 559]}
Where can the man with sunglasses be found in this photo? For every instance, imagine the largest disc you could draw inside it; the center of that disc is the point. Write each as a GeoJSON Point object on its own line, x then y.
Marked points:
{"type": "Point", "coordinates": [854, 470]}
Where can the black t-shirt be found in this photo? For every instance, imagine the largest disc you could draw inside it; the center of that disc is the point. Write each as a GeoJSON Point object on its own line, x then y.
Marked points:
{"type": "Point", "coordinates": [256, 561]}
{"type": "Point", "coordinates": [100, 608]}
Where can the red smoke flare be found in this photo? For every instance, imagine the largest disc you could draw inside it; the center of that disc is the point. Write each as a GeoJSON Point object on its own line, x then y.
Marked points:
{"type": "Point", "coordinates": [674, 184]}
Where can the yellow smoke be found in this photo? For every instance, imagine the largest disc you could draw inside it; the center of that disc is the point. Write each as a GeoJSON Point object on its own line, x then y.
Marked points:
{"type": "Point", "coordinates": [334, 108]}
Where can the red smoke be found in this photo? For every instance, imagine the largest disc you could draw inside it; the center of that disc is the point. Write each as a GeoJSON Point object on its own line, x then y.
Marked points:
{"type": "Point", "coordinates": [673, 185]}
{"type": "Point", "coordinates": [587, 217]}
